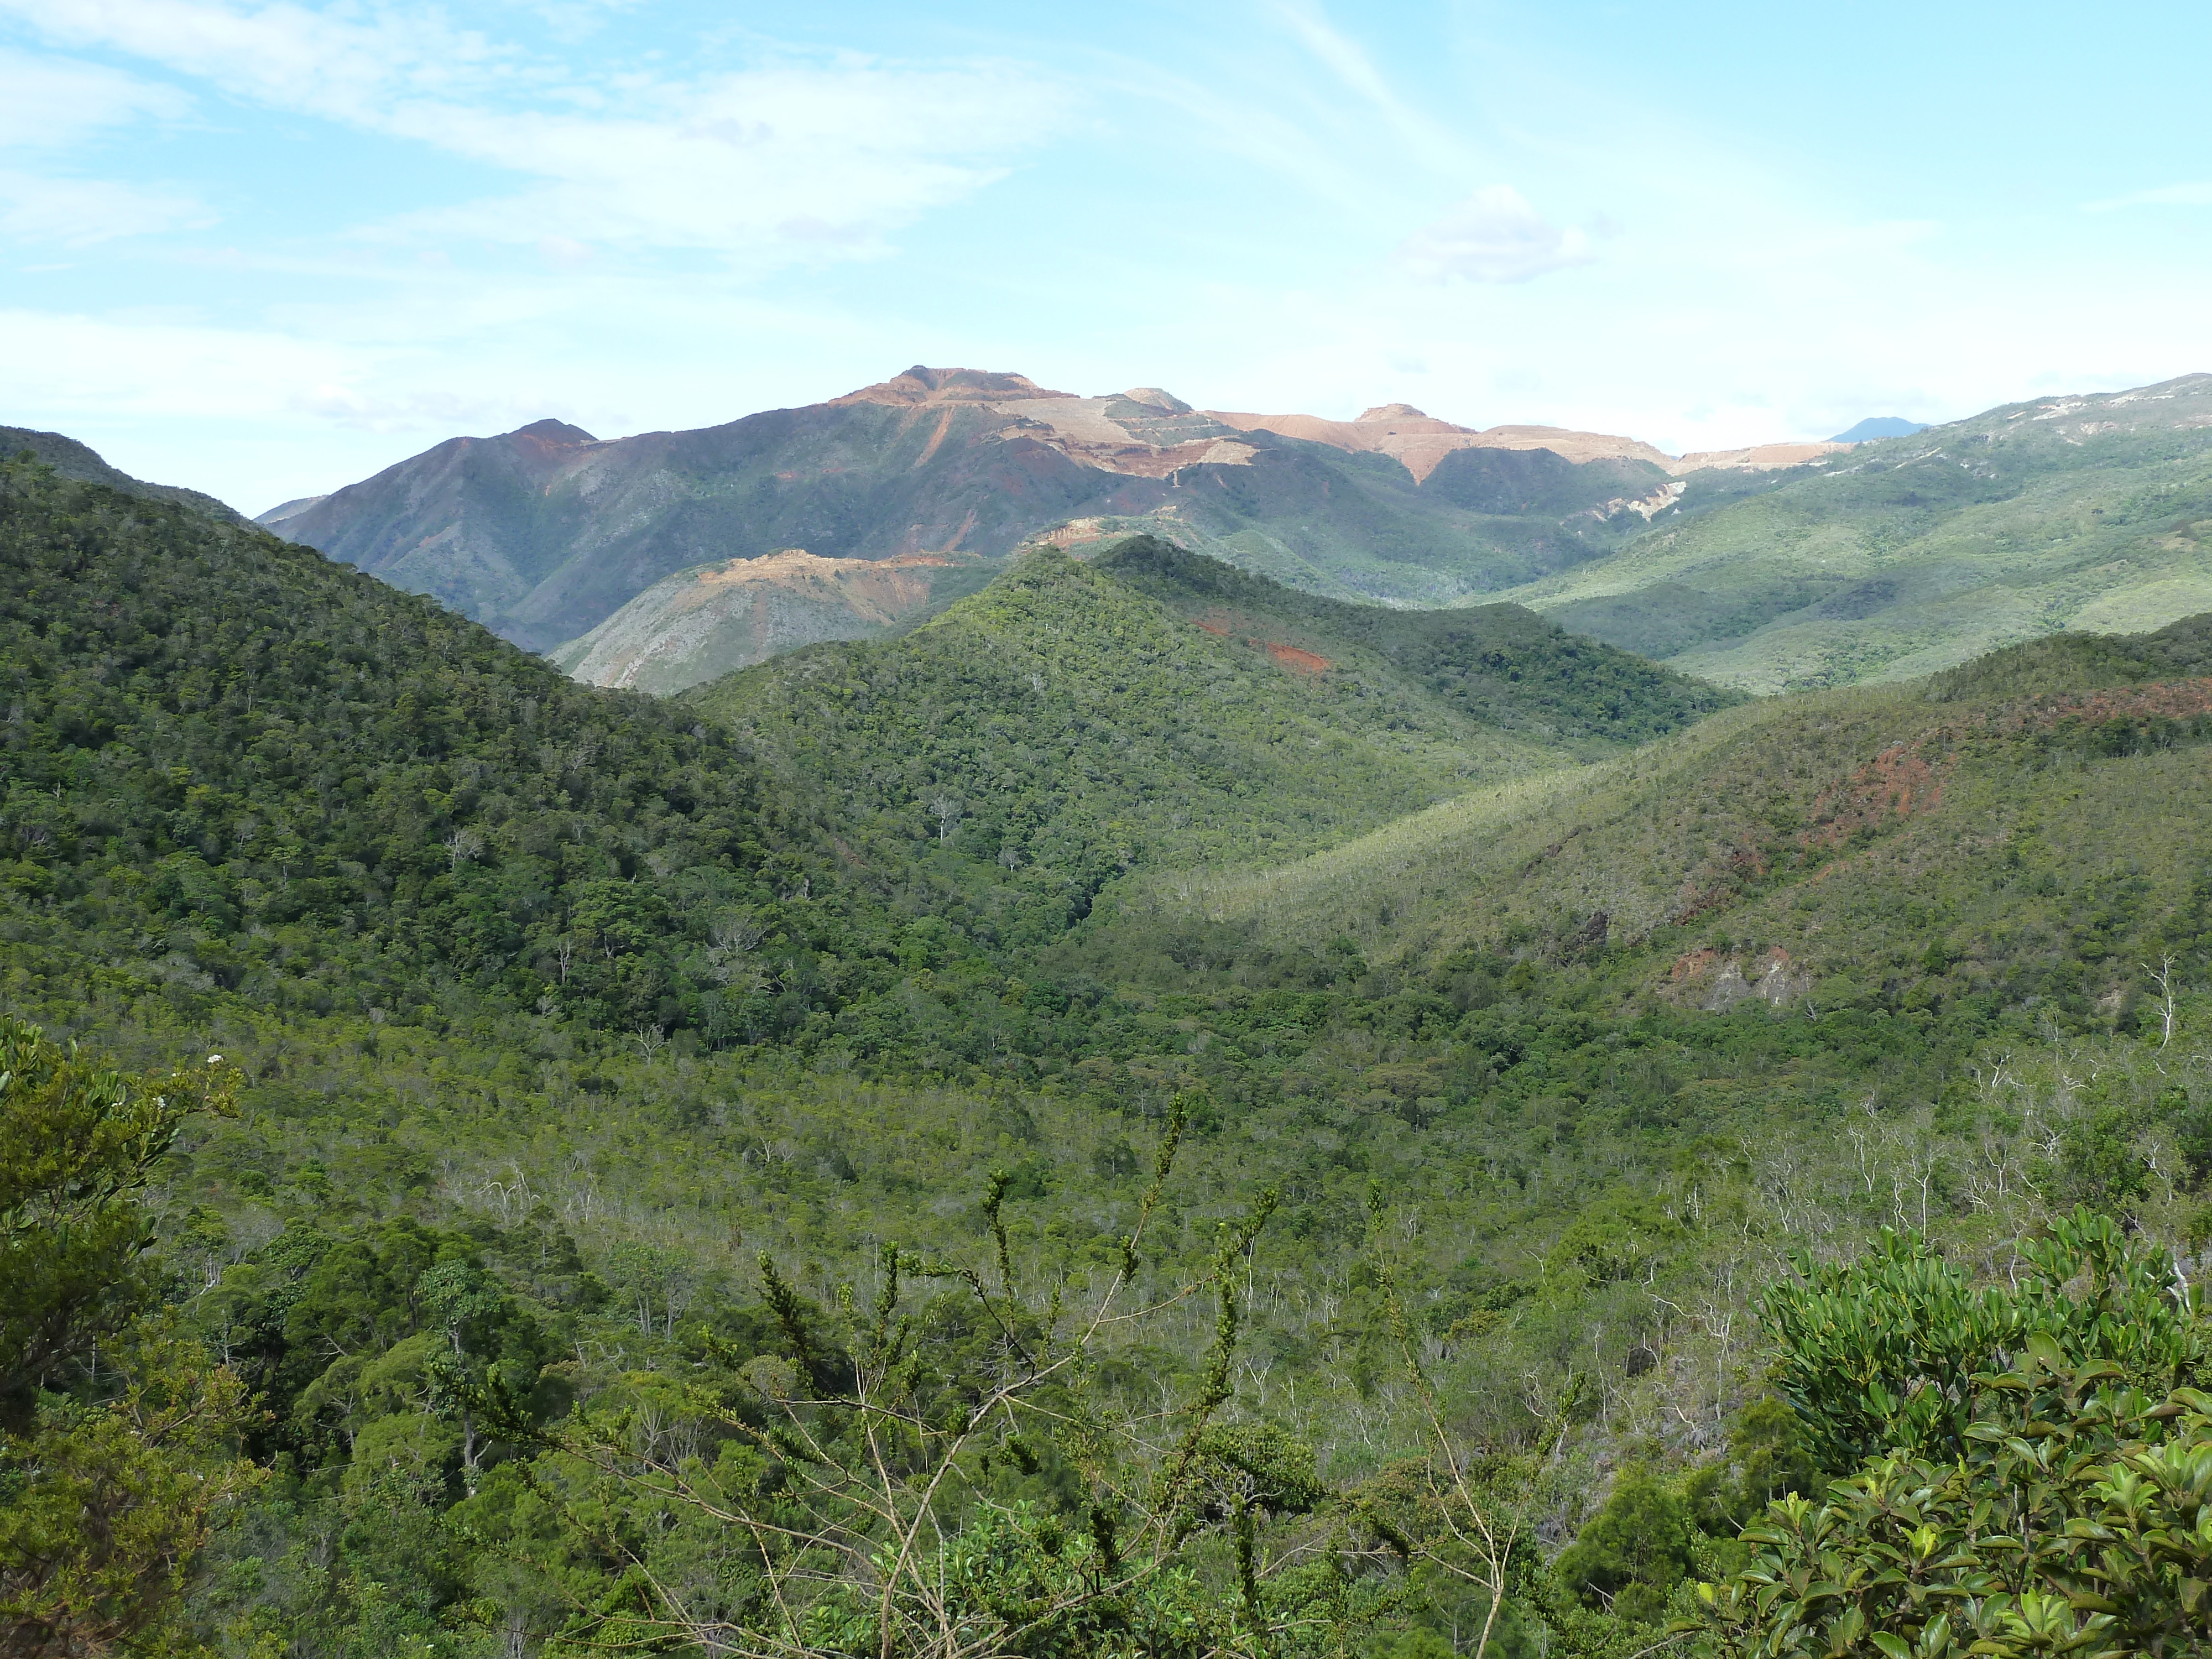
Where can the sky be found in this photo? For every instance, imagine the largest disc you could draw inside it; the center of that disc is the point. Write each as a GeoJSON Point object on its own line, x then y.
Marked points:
{"type": "Point", "coordinates": [267, 249]}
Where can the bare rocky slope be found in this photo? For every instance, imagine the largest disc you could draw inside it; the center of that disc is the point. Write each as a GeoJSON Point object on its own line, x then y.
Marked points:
{"type": "Point", "coordinates": [699, 624]}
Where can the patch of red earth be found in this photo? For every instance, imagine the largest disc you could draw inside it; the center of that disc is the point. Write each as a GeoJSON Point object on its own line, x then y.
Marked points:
{"type": "Point", "coordinates": [1298, 661]}
{"type": "Point", "coordinates": [1898, 780]}
{"type": "Point", "coordinates": [1212, 627]}
{"type": "Point", "coordinates": [2172, 699]}
{"type": "Point", "coordinates": [936, 438]}
{"type": "Point", "coordinates": [1693, 965]}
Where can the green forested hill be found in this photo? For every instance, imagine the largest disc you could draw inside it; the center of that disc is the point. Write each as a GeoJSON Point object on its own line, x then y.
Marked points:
{"type": "Point", "coordinates": [233, 767]}
{"type": "Point", "coordinates": [1154, 708]}
{"type": "Point", "coordinates": [81, 461]}
{"type": "Point", "coordinates": [612, 1085]}
{"type": "Point", "coordinates": [2002, 845]}
{"type": "Point", "coordinates": [1910, 555]}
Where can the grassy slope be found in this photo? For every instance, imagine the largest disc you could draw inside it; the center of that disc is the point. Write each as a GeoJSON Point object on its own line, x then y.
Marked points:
{"type": "Point", "coordinates": [2022, 830]}
{"type": "Point", "coordinates": [1924, 551]}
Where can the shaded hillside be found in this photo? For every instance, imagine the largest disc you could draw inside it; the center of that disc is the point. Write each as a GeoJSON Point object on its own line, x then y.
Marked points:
{"type": "Point", "coordinates": [72, 459]}
{"type": "Point", "coordinates": [1918, 552]}
{"type": "Point", "coordinates": [542, 533]}
{"type": "Point", "coordinates": [235, 768]}
{"type": "Point", "coordinates": [1075, 721]}
{"type": "Point", "coordinates": [2005, 843]}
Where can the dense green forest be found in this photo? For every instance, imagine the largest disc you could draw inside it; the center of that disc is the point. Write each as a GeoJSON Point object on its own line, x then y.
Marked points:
{"type": "Point", "coordinates": [545, 1171]}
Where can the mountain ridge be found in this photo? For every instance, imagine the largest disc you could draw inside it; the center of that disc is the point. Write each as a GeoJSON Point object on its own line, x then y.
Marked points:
{"type": "Point", "coordinates": [545, 532]}
{"type": "Point", "coordinates": [72, 459]}
{"type": "Point", "coordinates": [1912, 554]}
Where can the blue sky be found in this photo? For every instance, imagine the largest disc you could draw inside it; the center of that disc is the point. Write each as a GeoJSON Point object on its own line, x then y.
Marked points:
{"type": "Point", "coordinates": [265, 249]}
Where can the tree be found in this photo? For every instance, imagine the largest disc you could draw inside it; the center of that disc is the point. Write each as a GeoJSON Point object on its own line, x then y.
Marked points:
{"type": "Point", "coordinates": [1886, 1351]}
{"type": "Point", "coordinates": [76, 1143]}
{"type": "Point", "coordinates": [1468, 1513]}
{"type": "Point", "coordinates": [111, 1478]}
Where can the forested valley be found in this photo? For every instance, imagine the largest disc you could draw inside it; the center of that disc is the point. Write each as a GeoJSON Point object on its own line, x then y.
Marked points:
{"type": "Point", "coordinates": [1152, 1114]}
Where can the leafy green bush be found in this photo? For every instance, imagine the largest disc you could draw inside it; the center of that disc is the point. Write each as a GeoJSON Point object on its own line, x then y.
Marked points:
{"type": "Point", "coordinates": [1632, 1553]}
{"type": "Point", "coordinates": [1885, 1352]}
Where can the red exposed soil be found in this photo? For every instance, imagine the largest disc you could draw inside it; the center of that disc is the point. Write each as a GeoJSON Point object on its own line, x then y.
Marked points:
{"type": "Point", "coordinates": [1211, 626]}
{"type": "Point", "coordinates": [1898, 780]}
{"type": "Point", "coordinates": [2175, 698]}
{"type": "Point", "coordinates": [1302, 662]}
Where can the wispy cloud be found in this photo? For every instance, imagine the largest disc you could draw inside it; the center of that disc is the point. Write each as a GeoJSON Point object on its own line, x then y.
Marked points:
{"type": "Point", "coordinates": [1493, 236]}
{"type": "Point", "coordinates": [78, 212]}
{"type": "Point", "coordinates": [800, 159]}
{"type": "Point", "coordinates": [2189, 195]}
{"type": "Point", "coordinates": [49, 103]}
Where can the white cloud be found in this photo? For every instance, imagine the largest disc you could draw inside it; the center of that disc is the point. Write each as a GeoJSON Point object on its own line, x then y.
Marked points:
{"type": "Point", "coordinates": [65, 365]}
{"type": "Point", "coordinates": [76, 212]}
{"type": "Point", "coordinates": [2189, 195]}
{"type": "Point", "coordinates": [48, 103]}
{"type": "Point", "coordinates": [800, 159]}
{"type": "Point", "coordinates": [1493, 236]}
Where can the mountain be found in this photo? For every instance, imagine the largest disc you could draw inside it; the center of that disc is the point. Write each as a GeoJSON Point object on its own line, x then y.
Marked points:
{"type": "Point", "coordinates": [544, 533]}
{"type": "Point", "coordinates": [2007, 842]}
{"type": "Point", "coordinates": [72, 459]}
{"type": "Point", "coordinates": [1904, 555]}
{"type": "Point", "coordinates": [1879, 426]}
{"type": "Point", "coordinates": [329, 794]}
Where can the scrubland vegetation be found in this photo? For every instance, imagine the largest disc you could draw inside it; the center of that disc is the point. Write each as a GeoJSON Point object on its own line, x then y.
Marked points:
{"type": "Point", "coordinates": [610, 1175]}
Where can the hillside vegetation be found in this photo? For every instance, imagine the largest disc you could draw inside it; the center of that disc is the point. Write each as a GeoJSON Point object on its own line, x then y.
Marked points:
{"type": "Point", "coordinates": [608, 1181]}
{"type": "Point", "coordinates": [1913, 554]}
{"type": "Point", "coordinates": [2003, 844]}
{"type": "Point", "coordinates": [234, 767]}
{"type": "Point", "coordinates": [1079, 719]}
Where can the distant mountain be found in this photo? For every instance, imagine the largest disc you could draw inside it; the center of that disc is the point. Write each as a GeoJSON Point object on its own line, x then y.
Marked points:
{"type": "Point", "coordinates": [1904, 555]}
{"type": "Point", "coordinates": [80, 461]}
{"type": "Point", "coordinates": [1879, 426]}
{"type": "Point", "coordinates": [543, 534]}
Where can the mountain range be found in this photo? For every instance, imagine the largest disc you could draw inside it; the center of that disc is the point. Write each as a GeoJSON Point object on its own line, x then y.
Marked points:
{"type": "Point", "coordinates": [545, 532]}
{"type": "Point", "coordinates": [661, 560]}
{"type": "Point", "coordinates": [1908, 554]}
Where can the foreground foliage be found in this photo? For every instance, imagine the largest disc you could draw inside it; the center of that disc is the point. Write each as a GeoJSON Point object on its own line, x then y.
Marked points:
{"type": "Point", "coordinates": [111, 1478]}
{"type": "Point", "coordinates": [2031, 1496]}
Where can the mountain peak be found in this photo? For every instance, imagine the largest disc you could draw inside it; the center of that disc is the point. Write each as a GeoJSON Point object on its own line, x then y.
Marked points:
{"type": "Point", "coordinates": [554, 432]}
{"type": "Point", "coordinates": [1394, 412]}
{"type": "Point", "coordinates": [1879, 426]}
{"type": "Point", "coordinates": [1153, 397]}
{"type": "Point", "coordinates": [923, 384]}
